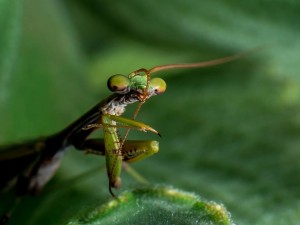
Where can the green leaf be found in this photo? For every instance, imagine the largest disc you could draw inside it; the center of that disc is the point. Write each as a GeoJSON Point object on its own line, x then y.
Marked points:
{"type": "Point", "coordinates": [10, 26]}
{"type": "Point", "coordinates": [229, 133]}
{"type": "Point", "coordinates": [37, 67]}
{"type": "Point", "coordinates": [158, 205]}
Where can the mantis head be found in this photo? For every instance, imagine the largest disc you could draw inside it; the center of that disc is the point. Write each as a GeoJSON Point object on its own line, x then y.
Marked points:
{"type": "Point", "coordinates": [138, 82]}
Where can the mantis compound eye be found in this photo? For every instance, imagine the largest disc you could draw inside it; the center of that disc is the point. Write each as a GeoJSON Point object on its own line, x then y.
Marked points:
{"type": "Point", "coordinates": [158, 85]}
{"type": "Point", "coordinates": [118, 84]}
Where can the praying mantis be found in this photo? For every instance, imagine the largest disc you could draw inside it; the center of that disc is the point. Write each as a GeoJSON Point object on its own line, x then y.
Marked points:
{"type": "Point", "coordinates": [33, 163]}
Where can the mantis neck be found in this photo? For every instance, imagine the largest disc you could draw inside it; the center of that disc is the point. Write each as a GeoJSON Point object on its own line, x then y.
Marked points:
{"type": "Point", "coordinates": [116, 104]}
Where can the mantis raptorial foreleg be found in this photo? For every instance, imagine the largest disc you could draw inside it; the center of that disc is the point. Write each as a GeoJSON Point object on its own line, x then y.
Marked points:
{"type": "Point", "coordinates": [116, 151]}
{"type": "Point", "coordinates": [132, 150]}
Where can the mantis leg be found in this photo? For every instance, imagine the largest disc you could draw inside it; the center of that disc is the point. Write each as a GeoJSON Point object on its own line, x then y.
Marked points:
{"type": "Point", "coordinates": [132, 150]}
{"type": "Point", "coordinates": [114, 152]}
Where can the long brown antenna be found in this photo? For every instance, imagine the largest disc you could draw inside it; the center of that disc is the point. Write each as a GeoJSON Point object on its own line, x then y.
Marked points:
{"type": "Point", "coordinates": [201, 64]}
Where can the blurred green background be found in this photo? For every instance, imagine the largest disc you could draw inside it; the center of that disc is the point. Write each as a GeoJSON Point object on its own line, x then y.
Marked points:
{"type": "Point", "coordinates": [230, 132]}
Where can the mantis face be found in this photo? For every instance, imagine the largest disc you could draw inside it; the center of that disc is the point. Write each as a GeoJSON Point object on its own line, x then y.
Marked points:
{"type": "Point", "coordinates": [140, 84]}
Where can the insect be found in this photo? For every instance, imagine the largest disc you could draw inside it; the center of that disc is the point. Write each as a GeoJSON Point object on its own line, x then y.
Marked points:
{"type": "Point", "coordinates": [33, 163]}
{"type": "Point", "coordinates": [144, 88]}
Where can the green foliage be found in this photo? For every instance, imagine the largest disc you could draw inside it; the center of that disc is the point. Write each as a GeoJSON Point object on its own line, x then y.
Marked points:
{"type": "Point", "coordinates": [230, 133]}
{"type": "Point", "coordinates": [156, 206]}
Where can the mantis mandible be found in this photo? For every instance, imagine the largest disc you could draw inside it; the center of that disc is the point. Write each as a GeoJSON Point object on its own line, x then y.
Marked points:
{"type": "Point", "coordinates": [33, 163]}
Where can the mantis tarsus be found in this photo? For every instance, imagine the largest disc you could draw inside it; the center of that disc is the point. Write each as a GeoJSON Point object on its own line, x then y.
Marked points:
{"type": "Point", "coordinates": [33, 163]}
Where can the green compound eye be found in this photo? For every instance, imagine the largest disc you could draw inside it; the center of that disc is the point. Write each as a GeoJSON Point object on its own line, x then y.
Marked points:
{"type": "Point", "coordinates": [118, 84]}
{"type": "Point", "coordinates": [158, 85]}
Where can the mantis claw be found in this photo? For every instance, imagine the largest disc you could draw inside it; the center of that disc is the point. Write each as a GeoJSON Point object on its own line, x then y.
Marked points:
{"type": "Point", "coordinates": [116, 184]}
{"type": "Point", "coordinates": [111, 192]}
